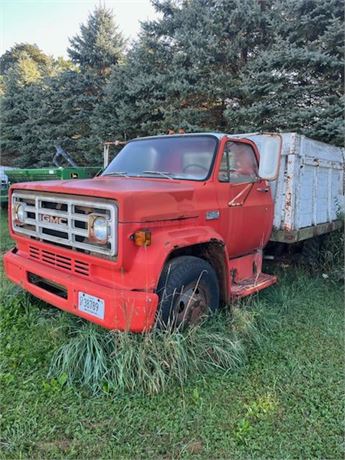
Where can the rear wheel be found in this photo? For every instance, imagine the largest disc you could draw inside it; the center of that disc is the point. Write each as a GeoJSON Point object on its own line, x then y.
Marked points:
{"type": "Point", "coordinates": [188, 290]}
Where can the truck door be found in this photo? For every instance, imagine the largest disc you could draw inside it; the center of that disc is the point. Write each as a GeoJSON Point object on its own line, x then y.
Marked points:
{"type": "Point", "coordinates": [245, 199]}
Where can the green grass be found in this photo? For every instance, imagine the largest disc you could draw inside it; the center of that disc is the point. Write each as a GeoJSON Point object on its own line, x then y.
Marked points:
{"type": "Point", "coordinates": [149, 363]}
{"type": "Point", "coordinates": [286, 400]}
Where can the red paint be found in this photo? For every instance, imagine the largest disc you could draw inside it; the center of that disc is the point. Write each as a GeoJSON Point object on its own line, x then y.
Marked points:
{"type": "Point", "coordinates": [125, 310]}
{"type": "Point", "coordinates": [174, 211]}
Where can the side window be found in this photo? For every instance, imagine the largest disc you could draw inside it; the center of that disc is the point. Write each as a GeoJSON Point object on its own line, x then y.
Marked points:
{"type": "Point", "coordinates": [238, 164]}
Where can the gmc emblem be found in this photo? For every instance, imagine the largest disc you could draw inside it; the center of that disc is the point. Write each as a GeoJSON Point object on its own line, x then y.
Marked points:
{"type": "Point", "coordinates": [53, 219]}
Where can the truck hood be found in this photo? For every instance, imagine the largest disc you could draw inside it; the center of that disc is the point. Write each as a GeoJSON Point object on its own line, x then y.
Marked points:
{"type": "Point", "coordinates": [140, 199]}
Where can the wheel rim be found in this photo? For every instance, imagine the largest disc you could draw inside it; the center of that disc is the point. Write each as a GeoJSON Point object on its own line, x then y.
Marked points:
{"type": "Point", "coordinates": [191, 305]}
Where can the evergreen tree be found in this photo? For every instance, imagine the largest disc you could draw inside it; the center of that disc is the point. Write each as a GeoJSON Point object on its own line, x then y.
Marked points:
{"type": "Point", "coordinates": [20, 83]}
{"type": "Point", "coordinates": [297, 83]}
{"type": "Point", "coordinates": [233, 66]}
{"type": "Point", "coordinates": [97, 49]}
{"type": "Point", "coordinates": [224, 65]}
{"type": "Point", "coordinates": [185, 66]}
{"type": "Point", "coordinates": [99, 44]}
{"type": "Point", "coordinates": [45, 106]}
{"type": "Point", "coordinates": [68, 102]}
{"type": "Point", "coordinates": [20, 51]}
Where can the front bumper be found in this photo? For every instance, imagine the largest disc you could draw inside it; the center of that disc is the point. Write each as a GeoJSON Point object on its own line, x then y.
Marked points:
{"type": "Point", "coordinates": [123, 309]}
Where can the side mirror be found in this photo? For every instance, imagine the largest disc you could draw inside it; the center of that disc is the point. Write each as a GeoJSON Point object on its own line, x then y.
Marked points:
{"type": "Point", "coordinates": [269, 146]}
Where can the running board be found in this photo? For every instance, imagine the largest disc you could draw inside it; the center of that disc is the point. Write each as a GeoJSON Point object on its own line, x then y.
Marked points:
{"type": "Point", "coordinates": [251, 285]}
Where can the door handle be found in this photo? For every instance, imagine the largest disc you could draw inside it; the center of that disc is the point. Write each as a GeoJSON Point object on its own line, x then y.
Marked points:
{"type": "Point", "coordinates": [263, 189]}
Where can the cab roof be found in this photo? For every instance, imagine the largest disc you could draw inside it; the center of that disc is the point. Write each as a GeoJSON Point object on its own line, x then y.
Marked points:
{"type": "Point", "coordinates": [214, 134]}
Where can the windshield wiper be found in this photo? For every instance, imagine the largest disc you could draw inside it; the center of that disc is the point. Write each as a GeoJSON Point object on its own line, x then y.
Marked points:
{"type": "Point", "coordinates": [117, 173]}
{"type": "Point", "coordinates": [159, 173]}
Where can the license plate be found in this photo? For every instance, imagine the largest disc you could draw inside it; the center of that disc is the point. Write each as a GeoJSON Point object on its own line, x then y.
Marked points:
{"type": "Point", "coordinates": [92, 305]}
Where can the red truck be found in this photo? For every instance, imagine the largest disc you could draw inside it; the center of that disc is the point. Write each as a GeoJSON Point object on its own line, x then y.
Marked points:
{"type": "Point", "coordinates": [173, 229]}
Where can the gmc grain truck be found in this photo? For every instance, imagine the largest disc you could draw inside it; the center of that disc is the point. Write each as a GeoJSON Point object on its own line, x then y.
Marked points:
{"type": "Point", "coordinates": [174, 227]}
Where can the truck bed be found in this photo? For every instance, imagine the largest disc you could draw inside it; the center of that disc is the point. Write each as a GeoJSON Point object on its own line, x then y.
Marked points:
{"type": "Point", "coordinates": [308, 193]}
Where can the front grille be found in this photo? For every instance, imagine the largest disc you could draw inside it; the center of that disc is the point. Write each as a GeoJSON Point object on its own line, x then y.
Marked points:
{"type": "Point", "coordinates": [64, 219]}
{"type": "Point", "coordinates": [62, 262]}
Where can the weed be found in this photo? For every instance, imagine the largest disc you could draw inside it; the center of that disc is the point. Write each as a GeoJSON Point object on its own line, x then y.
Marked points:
{"type": "Point", "coordinates": [332, 255]}
{"type": "Point", "coordinates": [122, 361]}
{"type": "Point", "coordinates": [256, 411]}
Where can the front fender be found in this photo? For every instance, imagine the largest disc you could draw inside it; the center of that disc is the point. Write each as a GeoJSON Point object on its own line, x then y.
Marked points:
{"type": "Point", "coordinates": [146, 263]}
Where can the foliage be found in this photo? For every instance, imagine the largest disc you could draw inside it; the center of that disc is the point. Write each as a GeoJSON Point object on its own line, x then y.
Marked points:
{"type": "Point", "coordinates": [23, 51]}
{"type": "Point", "coordinates": [64, 116]}
{"type": "Point", "coordinates": [99, 44]}
{"type": "Point", "coordinates": [184, 68]}
{"type": "Point", "coordinates": [332, 256]}
{"type": "Point", "coordinates": [201, 65]}
{"type": "Point", "coordinates": [19, 85]}
{"type": "Point", "coordinates": [24, 72]}
{"type": "Point", "coordinates": [297, 83]}
{"type": "Point", "coordinates": [52, 104]}
{"type": "Point", "coordinates": [232, 66]}
{"type": "Point", "coordinates": [25, 125]}
{"type": "Point", "coordinates": [114, 361]}
{"type": "Point", "coordinates": [260, 408]}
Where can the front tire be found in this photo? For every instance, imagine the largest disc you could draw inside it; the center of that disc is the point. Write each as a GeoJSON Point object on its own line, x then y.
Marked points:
{"type": "Point", "coordinates": [188, 290]}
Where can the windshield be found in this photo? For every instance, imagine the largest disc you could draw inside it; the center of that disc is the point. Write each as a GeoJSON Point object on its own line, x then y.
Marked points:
{"type": "Point", "coordinates": [185, 157]}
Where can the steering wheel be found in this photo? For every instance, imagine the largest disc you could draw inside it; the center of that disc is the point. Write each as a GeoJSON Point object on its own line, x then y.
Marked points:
{"type": "Point", "coordinates": [194, 165]}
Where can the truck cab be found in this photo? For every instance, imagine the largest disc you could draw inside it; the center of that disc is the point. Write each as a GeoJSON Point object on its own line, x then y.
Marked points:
{"type": "Point", "coordinates": [173, 229]}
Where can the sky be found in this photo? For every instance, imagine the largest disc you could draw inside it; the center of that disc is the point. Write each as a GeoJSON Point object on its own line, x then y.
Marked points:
{"type": "Point", "coordinates": [49, 23]}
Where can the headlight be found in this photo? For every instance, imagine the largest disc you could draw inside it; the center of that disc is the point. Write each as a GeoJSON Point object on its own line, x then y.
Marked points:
{"type": "Point", "coordinates": [99, 229]}
{"type": "Point", "coordinates": [19, 213]}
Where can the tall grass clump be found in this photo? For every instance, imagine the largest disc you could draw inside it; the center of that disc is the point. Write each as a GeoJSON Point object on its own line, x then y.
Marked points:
{"type": "Point", "coordinates": [109, 361]}
{"type": "Point", "coordinates": [332, 255]}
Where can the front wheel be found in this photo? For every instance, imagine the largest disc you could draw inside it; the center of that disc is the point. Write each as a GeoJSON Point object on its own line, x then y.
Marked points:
{"type": "Point", "coordinates": [188, 291]}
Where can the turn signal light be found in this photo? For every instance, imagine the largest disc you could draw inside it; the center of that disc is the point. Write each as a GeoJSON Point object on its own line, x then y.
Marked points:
{"type": "Point", "coordinates": [142, 238]}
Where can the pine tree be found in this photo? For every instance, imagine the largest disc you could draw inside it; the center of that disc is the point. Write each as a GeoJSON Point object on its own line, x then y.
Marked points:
{"type": "Point", "coordinates": [185, 67]}
{"type": "Point", "coordinates": [96, 50]}
{"type": "Point", "coordinates": [68, 103]}
{"type": "Point", "coordinates": [44, 106]}
{"type": "Point", "coordinates": [232, 66]}
{"type": "Point", "coordinates": [99, 44]}
{"type": "Point", "coordinates": [224, 65]}
{"type": "Point", "coordinates": [21, 81]}
{"type": "Point", "coordinates": [297, 83]}
{"type": "Point", "coordinates": [20, 51]}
